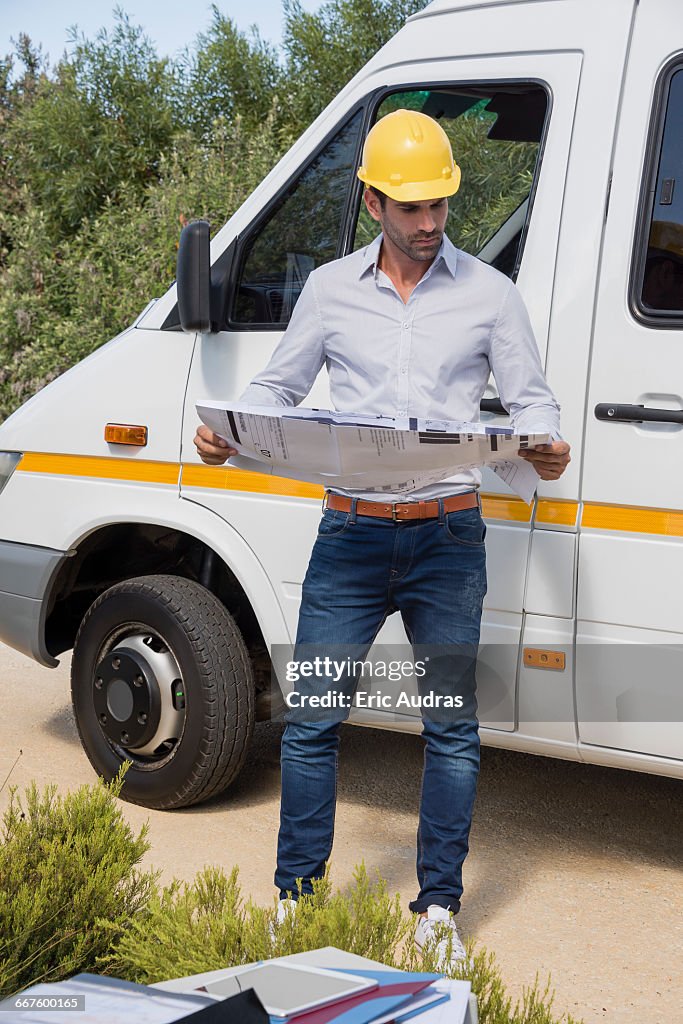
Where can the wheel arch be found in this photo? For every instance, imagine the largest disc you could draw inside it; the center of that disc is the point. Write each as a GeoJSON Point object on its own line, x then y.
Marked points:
{"type": "Point", "coordinates": [207, 550]}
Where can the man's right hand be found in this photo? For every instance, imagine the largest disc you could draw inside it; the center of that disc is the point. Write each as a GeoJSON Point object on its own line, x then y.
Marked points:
{"type": "Point", "coordinates": [211, 448]}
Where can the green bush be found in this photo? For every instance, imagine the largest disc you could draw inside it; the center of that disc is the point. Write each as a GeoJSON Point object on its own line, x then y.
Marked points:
{"type": "Point", "coordinates": [204, 925]}
{"type": "Point", "coordinates": [67, 869]}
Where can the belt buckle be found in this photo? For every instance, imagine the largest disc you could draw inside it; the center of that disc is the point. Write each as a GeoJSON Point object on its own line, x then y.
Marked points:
{"type": "Point", "coordinates": [395, 507]}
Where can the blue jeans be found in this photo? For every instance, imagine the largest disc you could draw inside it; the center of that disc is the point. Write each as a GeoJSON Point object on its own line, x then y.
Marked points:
{"type": "Point", "coordinates": [433, 571]}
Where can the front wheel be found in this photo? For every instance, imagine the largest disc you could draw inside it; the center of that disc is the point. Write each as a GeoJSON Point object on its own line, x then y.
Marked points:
{"type": "Point", "coordinates": [161, 677]}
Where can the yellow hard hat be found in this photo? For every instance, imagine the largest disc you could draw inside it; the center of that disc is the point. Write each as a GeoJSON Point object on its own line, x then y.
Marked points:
{"type": "Point", "coordinates": [407, 156]}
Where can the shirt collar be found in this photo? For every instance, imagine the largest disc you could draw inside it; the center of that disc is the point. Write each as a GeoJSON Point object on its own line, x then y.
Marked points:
{"type": "Point", "coordinates": [447, 254]}
{"type": "Point", "coordinates": [371, 255]}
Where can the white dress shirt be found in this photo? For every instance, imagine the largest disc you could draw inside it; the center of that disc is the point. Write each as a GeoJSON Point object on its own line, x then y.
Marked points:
{"type": "Point", "coordinates": [429, 357]}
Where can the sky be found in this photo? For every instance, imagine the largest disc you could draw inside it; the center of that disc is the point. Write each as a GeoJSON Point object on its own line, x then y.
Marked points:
{"type": "Point", "coordinates": [171, 24]}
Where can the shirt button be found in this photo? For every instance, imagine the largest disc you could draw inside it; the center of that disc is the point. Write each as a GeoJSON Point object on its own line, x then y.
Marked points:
{"type": "Point", "coordinates": [404, 369]}
{"type": "Point", "coordinates": [406, 325]}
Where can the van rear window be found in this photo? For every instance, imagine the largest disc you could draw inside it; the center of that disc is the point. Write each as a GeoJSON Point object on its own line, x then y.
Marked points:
{"type": "Point", "coordinates": [660, 276]}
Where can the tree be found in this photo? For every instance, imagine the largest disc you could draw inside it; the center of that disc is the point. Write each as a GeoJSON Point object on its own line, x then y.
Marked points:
{"type": "Point", "coordinates": [227, 74]}
{"type": "Point", "coordinates": [324, 50]}
{"type": "Point", "coordinates": [101, 121]}
{"type": "Point", "coordinates": [17, 92]}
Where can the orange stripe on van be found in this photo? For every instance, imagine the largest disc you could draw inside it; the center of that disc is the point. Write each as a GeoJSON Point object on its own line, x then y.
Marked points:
{"type": "Point", "coordinates": [557, 513]}
{"type": "Point", "coordinates": [494, 506]}
{"type": "Point", "coordinates": [102, 467]}
{"type": "Point", "coordinates": [667, 522]}
{"type": "Point", "coordinates": [499, 506]}
{"type": "Point", "coordinates": [632, 519]}
{"type": "Point", "coordinates": [217, 477]}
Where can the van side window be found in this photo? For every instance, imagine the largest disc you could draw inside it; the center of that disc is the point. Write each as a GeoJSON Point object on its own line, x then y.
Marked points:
{"type": "Point", "coordinates": [495, 132]}
{"type": "Point", "coordinates": [299, 233]}
{"type": "Point", "coordinates": [660, 282]}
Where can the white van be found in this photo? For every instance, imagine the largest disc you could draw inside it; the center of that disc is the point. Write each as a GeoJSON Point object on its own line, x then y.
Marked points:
{"type": "Point", "coordinates": [172, 580]}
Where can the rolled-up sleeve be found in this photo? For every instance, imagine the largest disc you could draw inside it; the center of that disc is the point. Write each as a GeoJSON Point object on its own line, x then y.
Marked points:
{"type": "Point", "coordinates": [297, 359]}
{"type": "Point", "coordinates": [518, 373]}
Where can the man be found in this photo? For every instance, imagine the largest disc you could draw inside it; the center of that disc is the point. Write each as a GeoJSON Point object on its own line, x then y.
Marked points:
{"type": "Point", "coordinates": [407, 326]}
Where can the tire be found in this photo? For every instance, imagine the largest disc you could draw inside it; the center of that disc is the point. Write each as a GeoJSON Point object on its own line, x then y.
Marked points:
{"type": "Point", "coordinates": [161, 676]}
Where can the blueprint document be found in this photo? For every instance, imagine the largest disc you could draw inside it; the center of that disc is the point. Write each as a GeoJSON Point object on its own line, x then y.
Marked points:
{"type": "Point", "coordinates": [103, 1000]}
{"type": "Point", "coordinates": [369, 453]}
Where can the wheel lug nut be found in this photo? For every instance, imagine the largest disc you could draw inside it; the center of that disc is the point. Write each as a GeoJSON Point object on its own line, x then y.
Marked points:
{"type": "Point", "coordinates": [124, 737]}
{"type": "Point", "coordinates": [98, 683]}
{"type": "Point", "coordinates": [116, 663]}
{"type": "Point", "coordinates": [103, 719]}
{"type": "Point", "coordinates": [139, 681]}
{"type": "Point", "coordinates": [142, 718]}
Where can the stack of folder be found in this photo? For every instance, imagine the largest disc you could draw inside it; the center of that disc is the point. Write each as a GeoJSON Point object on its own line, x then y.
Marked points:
{"type": "Point", "coordinates": [425, 999]}
{"type": "Point", "coordinates": [397, 997]}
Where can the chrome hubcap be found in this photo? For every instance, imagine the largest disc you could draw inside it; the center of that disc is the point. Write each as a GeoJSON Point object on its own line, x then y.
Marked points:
{"type": "Point", "coordinates": [139, 696]}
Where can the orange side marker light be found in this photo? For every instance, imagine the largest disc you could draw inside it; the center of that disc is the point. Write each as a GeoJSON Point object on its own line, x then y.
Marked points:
{"type": "Point", "coordinates": [125, 433]}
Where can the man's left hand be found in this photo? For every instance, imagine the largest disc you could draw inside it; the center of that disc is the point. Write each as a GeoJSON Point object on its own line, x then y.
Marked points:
{"type": "Point", "coordinates": [549, 460]}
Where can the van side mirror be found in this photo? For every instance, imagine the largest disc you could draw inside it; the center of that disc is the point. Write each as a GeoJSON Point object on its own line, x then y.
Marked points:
{"type": "Point", "coordinates": [193, 278]}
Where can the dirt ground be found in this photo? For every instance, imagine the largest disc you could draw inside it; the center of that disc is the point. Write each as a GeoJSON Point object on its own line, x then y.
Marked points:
{"type": "Point", "coordinates": [574, 871]}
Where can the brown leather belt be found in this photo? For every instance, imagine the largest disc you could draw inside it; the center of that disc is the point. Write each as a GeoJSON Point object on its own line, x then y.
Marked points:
{"type": "Point", "coordinates": [401, 510]}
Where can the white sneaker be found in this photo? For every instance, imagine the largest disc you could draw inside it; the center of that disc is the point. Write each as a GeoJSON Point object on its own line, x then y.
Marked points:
{"type": "Point", "coordinates": [438, 930]}
{"type": "Point", "coordinates": [284, 909]}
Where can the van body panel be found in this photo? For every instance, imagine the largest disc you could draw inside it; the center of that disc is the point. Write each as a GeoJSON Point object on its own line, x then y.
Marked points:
{"type": "Point", "coordinates": [25, 575]}
{"type": "Point", "coordinates": [630, 695]}
{"type": "Point", "coordinates": [139, 377]}
{"type": "Point", "coordinates": [585, 752]}
{"type": "Point", "coordinates": [545, 704]}
{"type": "Point", "coordinates": [441, 7]}
{"type": "Point", "coordinates": [551, 582]}
{"type": "Point", "coordinates": [63, 507]}
{"type": "Point", "coordinates": [619, 582]}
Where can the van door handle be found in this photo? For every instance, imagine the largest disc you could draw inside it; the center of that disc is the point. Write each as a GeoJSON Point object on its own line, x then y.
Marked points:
{"type": "Point", "coordinates": [493, 405]}
{"type": "Point", "coordinates": [636, 414]}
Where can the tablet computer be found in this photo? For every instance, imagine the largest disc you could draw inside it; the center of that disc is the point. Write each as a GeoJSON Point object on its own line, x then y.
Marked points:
{"type": "Point", "coordinates": [288, 989]}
